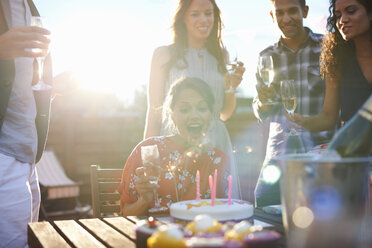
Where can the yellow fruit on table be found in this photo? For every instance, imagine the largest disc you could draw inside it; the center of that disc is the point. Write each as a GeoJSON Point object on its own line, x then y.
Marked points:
{"type": "Point", "coordinates": [167, 236]}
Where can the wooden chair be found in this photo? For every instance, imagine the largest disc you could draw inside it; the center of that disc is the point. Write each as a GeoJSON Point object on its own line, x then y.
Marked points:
{"type": "Point", "coordinates": [105, 197]}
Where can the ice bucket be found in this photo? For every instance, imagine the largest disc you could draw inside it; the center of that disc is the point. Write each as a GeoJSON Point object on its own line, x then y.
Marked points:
{"type": "Point", "coordinates": [324, 203]}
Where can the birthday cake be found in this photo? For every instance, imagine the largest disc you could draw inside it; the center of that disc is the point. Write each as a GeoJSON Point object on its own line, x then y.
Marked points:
{"type": "Point", "coordinates": [187, 210]}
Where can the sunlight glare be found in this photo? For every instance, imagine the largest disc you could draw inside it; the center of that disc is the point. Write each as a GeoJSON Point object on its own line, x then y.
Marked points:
{"type": "Point", "coordinates": [109, 57]}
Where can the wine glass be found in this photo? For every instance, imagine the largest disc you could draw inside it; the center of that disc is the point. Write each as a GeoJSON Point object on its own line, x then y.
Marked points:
{"type": "Point", "coordinates": [152, 165]}
{"type": "Point", "coordinates": [266, 71]}
{"type": "Point", "coordinates": [231, 67]}
{"type": "Point", "coordinates": [288, 92]}
{"type": "Point", "coordinates": [40, 21]}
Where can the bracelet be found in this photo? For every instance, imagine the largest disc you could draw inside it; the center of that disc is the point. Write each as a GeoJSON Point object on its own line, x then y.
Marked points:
{"type": "Point", "coordinates": [230, 91]}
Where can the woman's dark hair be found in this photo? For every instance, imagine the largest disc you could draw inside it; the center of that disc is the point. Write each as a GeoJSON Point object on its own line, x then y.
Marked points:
{"type": "Point", "coordinates": [213, 43]}
{"type": "Point", "coordinates": [193, 83]}
{"type": "Point", "coordinates": [302, 2]}
{"type": "Point", "coordinates": [334, 48]}
{"type": "Point", "coordinates": [182, 84]}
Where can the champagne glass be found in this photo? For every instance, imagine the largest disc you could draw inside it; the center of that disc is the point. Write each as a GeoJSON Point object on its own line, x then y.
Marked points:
{"type": "Point", "coordinates": [266, 71]}
{"type": "Point", "coordinates": [231, 67]}
{"type": "Point", "coordinates": [39, 21]}
{"type": "Point", "coordinates": [152, 165]}
{"type": "Point", "coordinates": [289, 98]}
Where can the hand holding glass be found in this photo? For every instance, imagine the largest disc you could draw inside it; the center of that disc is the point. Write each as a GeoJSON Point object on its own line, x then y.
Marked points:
{"type": "Point", "coordinates": [288, 92]}
{"type": "Point", "coordinates": [38, 21]}
{"type": "Point", "coordinates": [231, 67]}
{"type": "Point", "coordinates": [266, 71]}
{"type": "Point", "coordinates": [152, 165]}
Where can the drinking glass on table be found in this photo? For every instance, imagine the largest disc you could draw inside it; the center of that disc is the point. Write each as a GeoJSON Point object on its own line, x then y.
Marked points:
{"type": "Point", "coordinates": [40, 21]}
{"type": "Point", "coordinates": [266, 71]}
{"type": "Point", "coordinates": [288, 92]}
{"type": "Point", "coordinates": [152, 167]}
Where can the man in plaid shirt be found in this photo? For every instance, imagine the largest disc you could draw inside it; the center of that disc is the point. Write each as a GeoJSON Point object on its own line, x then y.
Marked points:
{"type": "Point", "coordinates": [295, 56]}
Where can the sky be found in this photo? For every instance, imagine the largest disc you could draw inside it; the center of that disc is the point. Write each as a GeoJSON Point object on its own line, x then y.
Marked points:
{"type": "Point", "coordinates": [108, 44]}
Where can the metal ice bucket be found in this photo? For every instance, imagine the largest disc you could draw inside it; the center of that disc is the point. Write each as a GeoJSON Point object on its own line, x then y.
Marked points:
{"type": "Point", "coordinates": [324, 203]}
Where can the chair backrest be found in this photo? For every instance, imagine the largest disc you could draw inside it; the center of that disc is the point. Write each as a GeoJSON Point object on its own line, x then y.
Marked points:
{"type": "Point", "coordinates": [104, 184]}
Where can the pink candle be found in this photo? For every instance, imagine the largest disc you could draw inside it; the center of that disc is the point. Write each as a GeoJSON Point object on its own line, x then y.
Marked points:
{"type": "Point", "coordinates": [211, 188]}
{"type": "Point", "coordinates": [214, 186]}
{"type": "Point", "coordinates": [197, 185]}
{"type": "Point", "coordinates": [230, 188]}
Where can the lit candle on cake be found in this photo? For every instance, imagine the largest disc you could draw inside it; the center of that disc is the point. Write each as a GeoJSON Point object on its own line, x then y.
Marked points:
{"type": "Point", "coordinates": [211, 189]}
{"type": "Point", "coordinates": [230, 189]}
{"type": "Point", "coordinates": [214, 185]}
{"type": "Point", "coordinates": [197, 185]}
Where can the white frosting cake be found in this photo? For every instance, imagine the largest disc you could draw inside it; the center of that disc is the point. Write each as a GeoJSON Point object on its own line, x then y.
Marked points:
{"type": "Point", "coordinates": [221, 211]}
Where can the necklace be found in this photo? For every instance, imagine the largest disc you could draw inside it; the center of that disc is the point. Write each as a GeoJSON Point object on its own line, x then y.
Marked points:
{"type": "Point", "coordinates": [200, 54]}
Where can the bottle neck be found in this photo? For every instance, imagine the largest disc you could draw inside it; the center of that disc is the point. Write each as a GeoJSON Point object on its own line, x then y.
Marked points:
{"type": "Point", "coordinates": [366, 110]}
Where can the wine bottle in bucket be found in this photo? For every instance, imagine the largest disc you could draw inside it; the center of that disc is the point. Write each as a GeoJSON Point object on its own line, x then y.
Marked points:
{"type": "Point", "coordinates": [355, 138]}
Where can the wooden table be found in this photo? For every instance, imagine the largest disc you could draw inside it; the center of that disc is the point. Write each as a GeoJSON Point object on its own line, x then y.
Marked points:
{"type": "Point", "coordinates": [106, 232]}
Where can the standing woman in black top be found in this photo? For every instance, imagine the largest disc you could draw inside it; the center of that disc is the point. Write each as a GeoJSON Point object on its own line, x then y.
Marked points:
{"type": "Point", "coordinates": [346, 63]}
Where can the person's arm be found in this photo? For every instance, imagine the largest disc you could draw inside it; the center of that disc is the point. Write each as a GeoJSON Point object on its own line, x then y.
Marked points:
{"type": "Point", "coordinates": [228, 106]}
{"type": "Point", "coordinates": [18, 42]}
{"type": "Point", "coordinates": [138, 208]}
{"type": "Point", "coordinates": [145, 191]}
{"type": "Point", "coordinates": [328, 118]}
{"type": "Point", "coordinates": [156, 95]}
{"type": "Point", "coordinates": [136, 193]}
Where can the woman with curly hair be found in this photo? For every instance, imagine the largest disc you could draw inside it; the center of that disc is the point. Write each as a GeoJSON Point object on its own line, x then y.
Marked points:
{"type": "Point", "coordinates": [197, 51]}
{"type": "Point", "coordinates": [346, 63]}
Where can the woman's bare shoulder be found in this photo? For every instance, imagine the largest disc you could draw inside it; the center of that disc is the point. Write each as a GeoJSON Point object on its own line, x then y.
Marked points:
{"type": "Point", "coordinates": [162, 53]}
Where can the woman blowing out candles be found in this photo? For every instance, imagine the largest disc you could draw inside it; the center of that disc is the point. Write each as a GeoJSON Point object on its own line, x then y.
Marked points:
{"type": "Point", "coordinates": [189, 106]}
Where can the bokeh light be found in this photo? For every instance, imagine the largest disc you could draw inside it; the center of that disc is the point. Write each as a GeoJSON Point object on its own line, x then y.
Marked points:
{"type": "Point", "coordinates": [325, 201]}
{"type": "Point", "coordinates": [303, 217]}
{"type": "Point", "coordinates": [248, 149]}
{"type": "Point", "coordinates": [234, 150]}
{"type": "Point", "coordinates": [271, 174]}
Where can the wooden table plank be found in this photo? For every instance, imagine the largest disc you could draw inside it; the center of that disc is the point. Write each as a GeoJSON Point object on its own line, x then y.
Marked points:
{"type": "Point", "coordinates": [159, 217]}
{"type": "Point", "coordinates": [123, 225]}
{"type": "Point", "coordinates": [106, 234]}
{"type": "Point", "coordinates": [135, 219]}
{"type": "Point", "coordinates": [77, 235]}
{"type": "Point", "coordinates": [42, 234]}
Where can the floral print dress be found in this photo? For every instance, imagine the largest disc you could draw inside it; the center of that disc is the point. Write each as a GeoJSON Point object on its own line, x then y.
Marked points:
{"type": "Point", "coordinates": [177, 180]}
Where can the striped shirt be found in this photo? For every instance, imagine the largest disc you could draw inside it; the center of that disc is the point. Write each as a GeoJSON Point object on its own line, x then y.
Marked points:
{"type": "Point", "coordinates": [303, 67]}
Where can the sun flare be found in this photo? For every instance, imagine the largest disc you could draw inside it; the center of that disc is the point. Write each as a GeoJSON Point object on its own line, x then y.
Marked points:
{"type": "Point", "coordinates": [108, 57]}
